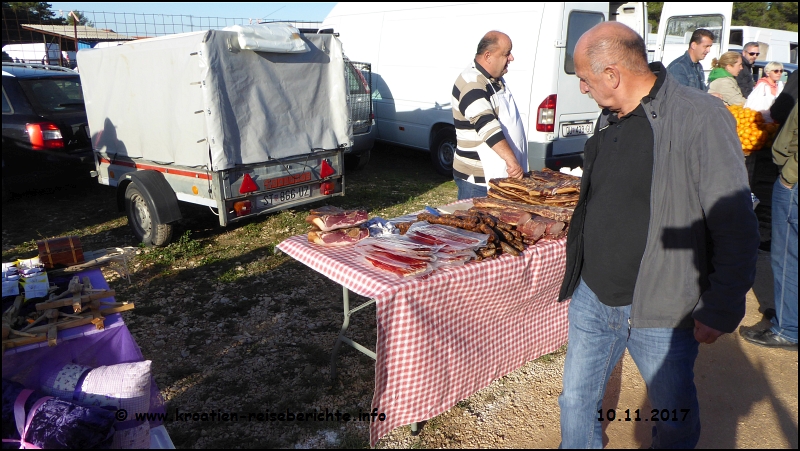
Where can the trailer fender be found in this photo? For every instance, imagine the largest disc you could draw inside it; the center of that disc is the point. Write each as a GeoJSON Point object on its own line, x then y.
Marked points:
{"type": "Point", "coordinates": [159, 196]}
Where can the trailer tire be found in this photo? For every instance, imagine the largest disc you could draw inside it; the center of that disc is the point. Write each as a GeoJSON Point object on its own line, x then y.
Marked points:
{"type": "Point", "coordinates": [443, 149]}
{"type": "Point", "coordinates": [143, 221]}
{"type": "Point", "coordinates": [357, 162]}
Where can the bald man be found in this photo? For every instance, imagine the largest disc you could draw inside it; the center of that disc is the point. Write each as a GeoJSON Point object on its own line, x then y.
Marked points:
{"type": "Point", "coordinates": [663, 243]}
{"type": "Point", "coordinates": [490, 137]}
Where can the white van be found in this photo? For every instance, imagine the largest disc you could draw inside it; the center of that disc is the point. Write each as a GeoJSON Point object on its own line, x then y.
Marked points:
{"type": "Point", "coordinates": [417, 51]}
{"type": "Point", "coordinates": [44, 53]}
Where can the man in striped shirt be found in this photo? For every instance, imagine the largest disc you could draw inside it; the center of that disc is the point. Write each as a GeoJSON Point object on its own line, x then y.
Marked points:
{"type": "Point", "coordinates": [475, 114]}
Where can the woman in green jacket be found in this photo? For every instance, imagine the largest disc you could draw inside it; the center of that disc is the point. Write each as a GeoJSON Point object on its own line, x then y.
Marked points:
{"type": "Point", "coordinates": [722, 79]}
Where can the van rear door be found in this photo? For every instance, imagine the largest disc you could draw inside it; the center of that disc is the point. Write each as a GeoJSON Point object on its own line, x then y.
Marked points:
{"type": "Point", "coordinates": [676, 27]}
{"type": "Point", "coordinates": [576, 113]}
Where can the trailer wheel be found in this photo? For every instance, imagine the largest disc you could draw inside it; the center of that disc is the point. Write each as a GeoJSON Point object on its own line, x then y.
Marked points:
{"type": "Point", "coordinates": [443, 148]}
{"type": "Point", "coordinates": [142, 220]}
{"type": "Point", "coordinates": [357, 162]}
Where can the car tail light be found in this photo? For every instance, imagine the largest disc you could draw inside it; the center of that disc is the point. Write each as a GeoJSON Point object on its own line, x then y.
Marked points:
{"type": "Point", "coordinates": [327, 188]}
{"type": "Point", "coordinates": [546, 115]}
{"type": "Point", "coordinates": [45, 135]}
{"type": "Point", "coordinates": [248, 185]}
{"type": "Point", "coordinates": [242, 208]}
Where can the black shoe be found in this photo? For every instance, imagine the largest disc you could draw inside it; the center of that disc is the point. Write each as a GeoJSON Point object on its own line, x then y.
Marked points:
{"type": "Point", "coordinates": [769, 314]}
{"type": "Point", "coordinates": [766, 338]}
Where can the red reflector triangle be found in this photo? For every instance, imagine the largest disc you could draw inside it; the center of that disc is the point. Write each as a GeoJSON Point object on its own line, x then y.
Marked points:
{"type": "Point", "coordinates": [326, 169]}
{"type": "Point", "coordinates": [248, 185]}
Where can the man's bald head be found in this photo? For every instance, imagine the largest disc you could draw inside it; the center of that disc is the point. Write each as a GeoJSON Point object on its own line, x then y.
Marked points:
{"type": "Point", "coordinates": [611, 43]}
{"type": "Point", "coordinates": [490, 41]}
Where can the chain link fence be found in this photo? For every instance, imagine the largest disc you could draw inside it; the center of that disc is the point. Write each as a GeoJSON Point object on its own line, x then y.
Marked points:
{"type": "Point", "coordinates": [32, 37]}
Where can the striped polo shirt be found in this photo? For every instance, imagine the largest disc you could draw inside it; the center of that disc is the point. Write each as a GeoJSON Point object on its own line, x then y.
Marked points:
{"type": "Point", "coordinates": [476, 119]}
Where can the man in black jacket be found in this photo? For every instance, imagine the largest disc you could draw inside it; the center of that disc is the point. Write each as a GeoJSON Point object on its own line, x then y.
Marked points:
{"type": "Point", "coordinates": [750, 52]}
{"type": "Point", "coordinates": [663, 243]}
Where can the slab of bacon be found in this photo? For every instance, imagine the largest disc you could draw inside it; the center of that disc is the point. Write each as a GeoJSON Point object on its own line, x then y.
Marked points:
{"type": "Point", "coordinates": [545, 187]}
{"type": "Point", "coordinates": [329, 218]}
{"type": "Point", "coordinates": [338, 237]}
{"type": "Point", "coordinates": [558, 213]}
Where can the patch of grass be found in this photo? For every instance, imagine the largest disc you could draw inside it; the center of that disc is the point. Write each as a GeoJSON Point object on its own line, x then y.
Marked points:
{"type": "Point", "coordinates": [184, 247]}
{"type": "Point", "coordinates": [351, 440]}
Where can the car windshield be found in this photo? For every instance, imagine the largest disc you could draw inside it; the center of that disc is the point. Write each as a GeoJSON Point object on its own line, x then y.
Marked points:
{"type": "Point", "coordinates": [55, 94]}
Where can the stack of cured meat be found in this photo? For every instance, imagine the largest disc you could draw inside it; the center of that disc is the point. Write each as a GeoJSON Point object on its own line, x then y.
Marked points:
{"type": "Point", "coordinates": [423, 248]}
{"type": "Point", "coordinates": [333, 226]}
{"type": "Point", "coordinates": [544, 187]}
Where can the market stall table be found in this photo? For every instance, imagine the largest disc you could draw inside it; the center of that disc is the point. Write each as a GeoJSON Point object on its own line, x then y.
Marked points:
{"type": "Point", "coordinates": [443, 337]}
{"type": "Point", "coordinates": [86, 346]}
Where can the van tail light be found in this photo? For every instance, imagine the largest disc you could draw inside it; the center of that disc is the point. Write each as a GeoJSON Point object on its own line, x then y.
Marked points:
{"type": "Point", "coordinates": [546, 115]}
{"type": "Point", "coordinates": [242, 208]}
{"type": "Point", "coordinates": [327, 188]}
{"type": "Point", "coordinates": [45, 135]}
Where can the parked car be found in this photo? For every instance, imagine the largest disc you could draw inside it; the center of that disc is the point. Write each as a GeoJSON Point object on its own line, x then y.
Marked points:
{"type": "Point", "coordinates": [44, 113]}
{"type": "Point", "coordinates": [364, 130]}
{"type": "Point", "coordinates": [758, 70]}
{"type": "Point", "coordinates": [44, 121]}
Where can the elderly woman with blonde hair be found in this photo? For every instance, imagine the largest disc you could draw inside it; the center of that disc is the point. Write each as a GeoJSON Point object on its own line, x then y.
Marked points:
{"type": "Point", "coordinates": [722, 79]}
{"type": "Point", "coordinates": [766, 90]}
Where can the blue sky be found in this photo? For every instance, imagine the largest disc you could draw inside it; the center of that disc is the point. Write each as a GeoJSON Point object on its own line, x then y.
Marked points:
{"type": "Point", "coordinates": [305, 11]}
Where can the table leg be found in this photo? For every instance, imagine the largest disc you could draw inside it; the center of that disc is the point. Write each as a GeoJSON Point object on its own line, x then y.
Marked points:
{"type": "Point", "coordinates": [342, 339]}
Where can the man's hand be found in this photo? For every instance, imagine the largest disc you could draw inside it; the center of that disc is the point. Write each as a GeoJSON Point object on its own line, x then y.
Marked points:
{"type": "Point", "coordinates": [705, 334]}
{"type": "Point", "coordinates": [514, 170]}
{"type": "Point", "coordinates": [716, 94]}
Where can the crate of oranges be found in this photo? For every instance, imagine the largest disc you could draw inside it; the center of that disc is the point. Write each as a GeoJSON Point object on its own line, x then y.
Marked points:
{"type": "Point", "coordinates": [754, 133]}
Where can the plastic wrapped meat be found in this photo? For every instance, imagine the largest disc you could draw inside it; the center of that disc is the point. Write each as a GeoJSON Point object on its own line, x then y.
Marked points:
{"type": "Point", "coordinates": [339, 237]}
{"type": "Point", "coordinates": [329, 218]}
{"type": "Point", "coordinates": [450, 238]}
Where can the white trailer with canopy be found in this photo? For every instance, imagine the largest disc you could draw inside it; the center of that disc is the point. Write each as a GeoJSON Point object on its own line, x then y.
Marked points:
{"type": "Point", "coordinates": [246, 121]}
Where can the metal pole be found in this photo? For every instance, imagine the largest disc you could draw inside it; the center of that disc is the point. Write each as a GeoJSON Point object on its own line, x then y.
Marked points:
{"type": "Point", "coordinates": [75, 29]}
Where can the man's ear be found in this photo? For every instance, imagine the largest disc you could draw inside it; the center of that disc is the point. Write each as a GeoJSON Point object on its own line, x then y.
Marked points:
{"type": "Point", "coordinates": [612, 74]}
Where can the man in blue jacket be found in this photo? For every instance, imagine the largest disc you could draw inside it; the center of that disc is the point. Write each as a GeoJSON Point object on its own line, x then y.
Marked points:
{"type": "Point", "coordinates": [687, 69]}
{"type": "Point", "coordinates": [663, 243]}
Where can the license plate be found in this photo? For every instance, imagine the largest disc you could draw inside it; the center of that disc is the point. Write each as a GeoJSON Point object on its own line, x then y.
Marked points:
{"type": "Point", "coordinates": [579, 128]}
{"type": "Point", "coordinates": [286, 195]}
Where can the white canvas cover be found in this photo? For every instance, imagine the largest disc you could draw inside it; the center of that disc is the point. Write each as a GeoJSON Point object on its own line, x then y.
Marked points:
{"type": "Point", "coordinates": [198, 100]}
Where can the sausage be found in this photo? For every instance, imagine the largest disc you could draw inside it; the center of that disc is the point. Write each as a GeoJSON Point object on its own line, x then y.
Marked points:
{"type": "Point", "coordinates": [509, 249]}
{"type": "Point", "coordinates": [488, 230]}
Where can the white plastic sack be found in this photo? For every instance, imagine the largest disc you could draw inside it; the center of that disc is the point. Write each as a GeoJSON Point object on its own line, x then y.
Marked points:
{"type": "Point", "coordinates": [761, 99]}
{"type": "Point", "coordinates": [269, 37]}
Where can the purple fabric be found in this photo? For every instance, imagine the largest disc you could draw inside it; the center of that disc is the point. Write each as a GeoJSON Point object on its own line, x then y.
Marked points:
{"type": "Point", "coordinates": [54, 423]}
{"type": "Point", "coordinates": [83, 345]}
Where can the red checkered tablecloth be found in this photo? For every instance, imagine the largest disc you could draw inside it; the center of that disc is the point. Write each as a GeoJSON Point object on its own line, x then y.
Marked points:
{"type": "Point", "coordinates": [443, 337]}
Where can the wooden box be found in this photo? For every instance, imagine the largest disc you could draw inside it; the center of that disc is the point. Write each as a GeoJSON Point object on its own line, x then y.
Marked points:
{"type": "Point", "coordinates": [60, 252]}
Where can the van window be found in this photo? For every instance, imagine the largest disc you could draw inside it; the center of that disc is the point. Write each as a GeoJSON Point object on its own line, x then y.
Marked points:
{"type": "Point", "coordinates": [579, 23]}
{"type": "Point", "coordinates": [680, 29]}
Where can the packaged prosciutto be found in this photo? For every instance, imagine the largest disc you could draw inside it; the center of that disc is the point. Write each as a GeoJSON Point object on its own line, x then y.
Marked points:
{"type": "Point", "coordinates": [419, 268]}
{"type": "Point", "coordinates": [397, 244]}
{"type": "Point", "coordinates": [455, 258]}
{"type": "Point", "coordinates": [451, 239]}
{"type": "Point", "coordinates": [338, 237]}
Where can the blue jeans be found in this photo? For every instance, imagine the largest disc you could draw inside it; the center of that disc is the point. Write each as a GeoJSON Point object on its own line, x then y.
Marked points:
{"type": "Point", "coordinates": [467, 190]}
{"type": "Point", "coordinates": [598, 336]}
{"type": "Point", "coordinates": [784, 260]}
